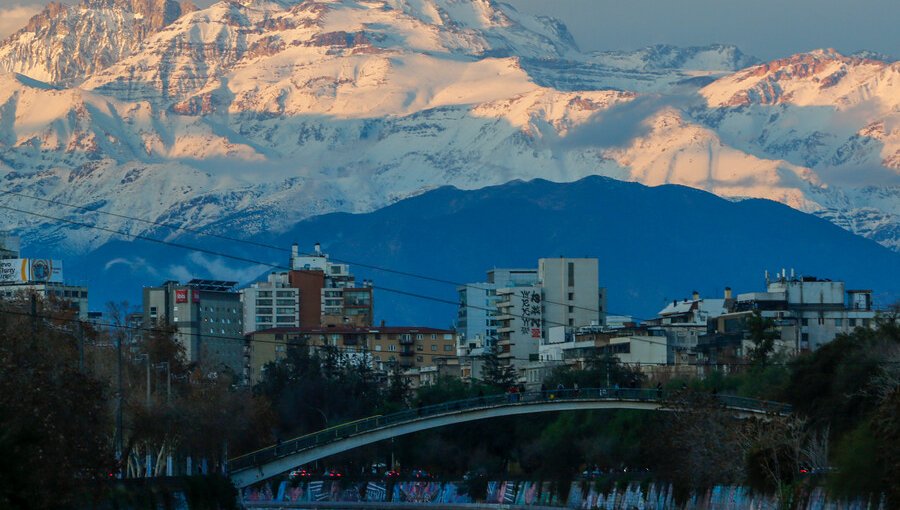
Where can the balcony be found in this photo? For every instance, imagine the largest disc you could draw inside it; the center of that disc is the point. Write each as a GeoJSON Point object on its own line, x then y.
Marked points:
{"type": "Point", "coordinates": [407, 340]}
{"type": "Point", "coordinates": [407, 352]}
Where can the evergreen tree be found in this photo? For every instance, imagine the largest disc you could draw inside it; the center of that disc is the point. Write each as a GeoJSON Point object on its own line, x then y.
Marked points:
{"type": "Point", "coordinates": [495, 372]}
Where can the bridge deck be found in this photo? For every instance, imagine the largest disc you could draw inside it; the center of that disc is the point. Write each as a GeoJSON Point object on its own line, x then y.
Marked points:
{"type": "Point", "coordinates": [379, 427]}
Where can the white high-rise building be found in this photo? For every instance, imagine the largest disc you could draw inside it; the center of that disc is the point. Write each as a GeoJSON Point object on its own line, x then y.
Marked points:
{"type": "Point", "coordinates": [515, 309]}
{"type": "Point", "coordinates": [271, 304]}
{"type": "Point", "coordinates": [477, 316]}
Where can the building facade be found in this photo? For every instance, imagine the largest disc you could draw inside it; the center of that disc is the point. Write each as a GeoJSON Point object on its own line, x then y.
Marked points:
{"type": "Point", "coordinates": [572, 295]}
{"type": "Point", "coordinates": [270, 304]}
{"type": "Point", "coordinates": [685, 321]}
{"type": "Point", "coordinates": [207, 317]}
{"type": "Point", "coordinates": [384, 348]}
{"type": "Point", "coordinates": [477, 315]}
{"type": "Point", "coordinates": [328, 292]}
{"type": "Point", "coordinates": [807, 312]}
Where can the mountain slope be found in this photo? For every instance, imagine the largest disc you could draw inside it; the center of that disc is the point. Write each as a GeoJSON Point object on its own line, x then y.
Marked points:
{"type": "Point", "coordinates": [653, 244]}
{"type": "Point", "coordinates": [64, 44]}
{"type": "Point", "coordinates": [253, 115]}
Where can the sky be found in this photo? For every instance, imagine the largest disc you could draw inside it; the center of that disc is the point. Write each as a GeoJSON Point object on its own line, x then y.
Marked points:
{"type": "Point", "coordinates": [766, 29]}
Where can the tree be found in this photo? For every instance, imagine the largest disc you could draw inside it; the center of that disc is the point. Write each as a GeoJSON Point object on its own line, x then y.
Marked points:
{"type": "Point", "coordinates": [701, 446]}
{"type": "Point", "coordinates": [54, 424]}
{"type": "Point", "coordinates": [762, 334]}
{"type": "Point", "coordinates": [495, 372]}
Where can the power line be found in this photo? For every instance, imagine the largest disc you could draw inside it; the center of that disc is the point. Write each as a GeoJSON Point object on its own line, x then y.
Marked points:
{"type": "Point", "coordinates": [173, 333]}
{"type": "Point", "coordinates": [278, 248]}
{"type": "Point", "coordinates": [244, 259]}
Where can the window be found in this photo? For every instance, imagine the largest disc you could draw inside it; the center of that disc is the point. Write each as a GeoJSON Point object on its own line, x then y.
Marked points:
{"type": "Point", "coordinates": [852, 323]}
{"type": "Point", "coordinates": [448, 347]}
{"type": "Point", "coordinates": [392, 348]}
{"type": "Point", "coordinates": [571, 322]}
{"type": "Point", "coordinates": [433, 347]}
{"type": "Point", "coordinates": [284, 293]}
{"type": "Point", "coordinates": [571, 274]}
{"type": "Point", "coordinates": [804, 322]}
{"type": "Point", "coordinates": [571, 296]}
{"type": "Point", "coordinates": [571, 309]}
{"type": "Point", "coordinates": [419, 359]}
{"type": "Point", "coordinates": [804, 337]}
{"type": "Point", "coordinates": [838, 323]}
{"type": "Point", "coordinates": [378, 347]}
{"type": "Point", "coordinates": [285, 302]}
{"type": "Point", "coordinates": [263, 302]}
{"type": "Point", "coordinates": [175, 308]}
{"type": "Point", "coordinates": [448, 336]}
{"type": "Point", "coordinates": [433, 336]}
{"type": "Point", "coordinates": [420, 336]}
{"type": "Point", "coordinates": [265, 293]}
{"type": "Point", "coordinates": [865, 323]}
{"type": "Point", "coordinates": [419, 347]}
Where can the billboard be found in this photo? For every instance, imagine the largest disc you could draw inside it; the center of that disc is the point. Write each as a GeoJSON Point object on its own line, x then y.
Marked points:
{"type": "Point", "coordinates": [181, 295]}
{"type": "Point", "coordinates": [30, 271]}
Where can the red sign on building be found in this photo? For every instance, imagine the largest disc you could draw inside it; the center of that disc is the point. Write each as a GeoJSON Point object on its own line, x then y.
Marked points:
{"type": "Point", "coordinates": [195, 296]}
{"type": "Point", "coordinates": [181, 295]}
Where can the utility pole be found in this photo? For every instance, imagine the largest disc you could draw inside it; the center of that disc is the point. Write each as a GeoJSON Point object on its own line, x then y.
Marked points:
{"type": "Point", "coordinates": [80, 347]}
{"type": "Point", "coordinates": [148, 460]}
{"type": "Point", "coordinates": [119, 438]}
{"type": "Point", "coordinates": [169, 465]}
{"type": "Point", "coordinates": [33, 318]}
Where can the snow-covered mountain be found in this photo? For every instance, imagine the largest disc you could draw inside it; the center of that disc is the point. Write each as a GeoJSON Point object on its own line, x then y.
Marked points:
{"type": "Point", "coordinates": [254, 115]}
{"type": "Point", "coordinates": [63, 44]}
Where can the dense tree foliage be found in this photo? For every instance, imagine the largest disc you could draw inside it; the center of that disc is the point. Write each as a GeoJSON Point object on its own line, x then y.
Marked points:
{"type": "Point", "coordinates": [54, 424]}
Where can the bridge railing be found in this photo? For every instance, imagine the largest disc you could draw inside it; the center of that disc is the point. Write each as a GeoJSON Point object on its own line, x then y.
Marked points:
{"type": "Point", "coordinates": [339, 432]}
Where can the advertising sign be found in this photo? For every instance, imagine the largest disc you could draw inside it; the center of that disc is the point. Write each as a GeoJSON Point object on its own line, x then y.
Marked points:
{"type": "Point", "coordinates": [195, 296]}
{"type": "Point", "coordinates": [181, 295]}
{"type": "Point", "coordinates": [30, 271]}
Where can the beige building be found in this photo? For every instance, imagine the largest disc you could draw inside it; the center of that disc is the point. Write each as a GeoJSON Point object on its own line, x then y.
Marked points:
{"type": "Point", "coordinates": [383, 347]}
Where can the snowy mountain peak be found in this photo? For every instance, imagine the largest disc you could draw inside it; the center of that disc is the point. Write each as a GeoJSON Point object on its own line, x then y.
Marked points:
{"type": "Point", "coordinates": [63, 44]}
{"type": "Point", "coordinates": [252, 114]}
{"type": "Point", "coordinates": [818, 78]}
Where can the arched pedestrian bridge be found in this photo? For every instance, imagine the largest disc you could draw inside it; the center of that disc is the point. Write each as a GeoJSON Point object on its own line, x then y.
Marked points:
{"type": "Point", "coordinates": [275, 460]}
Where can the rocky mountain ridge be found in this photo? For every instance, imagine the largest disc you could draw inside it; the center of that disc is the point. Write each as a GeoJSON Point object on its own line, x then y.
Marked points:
{"type": "Point", "coordinates": [254, 115]}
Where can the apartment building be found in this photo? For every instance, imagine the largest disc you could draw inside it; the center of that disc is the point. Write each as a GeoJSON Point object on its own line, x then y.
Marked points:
{"type": "Point", "coordinates": [384, 347]}
{"type": "Point", "coordinates": [807, 312]}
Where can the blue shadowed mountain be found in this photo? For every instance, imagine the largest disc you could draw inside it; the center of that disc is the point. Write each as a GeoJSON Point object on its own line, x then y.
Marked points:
{"type": "Point", "coordinates": [654, 244]}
